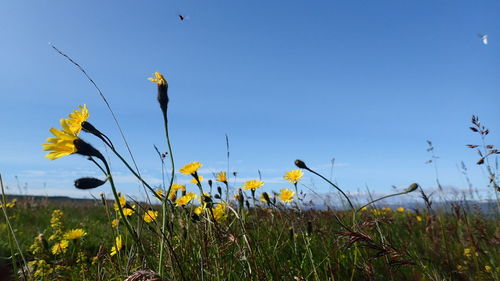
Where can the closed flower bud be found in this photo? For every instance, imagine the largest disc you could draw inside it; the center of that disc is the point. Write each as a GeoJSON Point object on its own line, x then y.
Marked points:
{"type": "Point", "coordinates": [300, 164]}
{"type": "Point", "coordinates": [266, 197]}
{"type": "Point", "coordinates": [309, 228]}
{"type": "Point", "coordinates": [85, 149]}
{"type": "Point", "coordinates": [219, 190]}
{"type": "Point", "coordinates": [88, 183]}
{"type": "Point", "coordinates": [412, 187]}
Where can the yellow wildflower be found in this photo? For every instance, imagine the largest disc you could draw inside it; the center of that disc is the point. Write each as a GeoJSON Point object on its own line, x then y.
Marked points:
{"type": "Point", "coordinates": [286, 195]}
{"type": "Point", "coordinates": [386, 209]}
{"type": "Point", "coordinates": [190, 168]}
{"type": "Point", "coordinates": [76, 118]}
{"type": "Point", "coordinates": [172, 196]}
{"type": "Point", "coordinates": [400, 209]}
{"type": "Point", "coordinates": [364, 208]}
{"type": "Point", "coordinates": [488, 268]}
{"type": "Point", "coordinates": [376, 212]}
{"type": "Point", "coordinates": [219, 212]}
{"type": "Point", "coordinates": [199, 210]}
{"type": "Point", "coordinates": [117, 247]}
{"type": "Point", "coordinates": [176, 187]}
{"type": "Point", "coordinates": [159, 193]}
{"type": "Point", "coordinates": [62, 144]}
{"type": "Point", "coordinates": [122, 200]}
{"type": "Point", "coordinates": [60, 247]}
{"type": "Point", "coordinates": [128, 212]}
{"type": "Point", "coordinates": [468, 252]}
{"type": "Point", "coordinates": [150, 216]}
{"type": "Point", "coordinates": [252, 184]}
{"type": "Point", "coordinates": [460, 267]}
{"type": "Point", "coordinates": [194, 181]}
{"type": "Point", "coordinates": [75, 234]}
{"type": "Point", "coordinates": [221, 177]}
{"type": "Point", "coordinates": [158, 79]}
{"type": "Point", "coordinates": [293, 176]}
{"type": "Point", "coordinates": [115, 222]}
{"type": "Point", "coordinates": [185, 199]}
{"type": "Point", "coordinates": [419, 218]}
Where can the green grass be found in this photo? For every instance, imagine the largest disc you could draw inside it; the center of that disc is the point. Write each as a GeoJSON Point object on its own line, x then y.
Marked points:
{"type": "Point", "coordinates": [266, 244]}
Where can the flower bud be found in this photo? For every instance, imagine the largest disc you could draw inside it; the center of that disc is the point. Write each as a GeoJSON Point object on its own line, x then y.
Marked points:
{"type": "Point", "coordinates": [88, 183]}
{"type": "Point", "coordinates": [300, 164]}
{"type": "Point", "coordinates": [412, 187]}
{"type": "Point", "coordinates": [85, 149]}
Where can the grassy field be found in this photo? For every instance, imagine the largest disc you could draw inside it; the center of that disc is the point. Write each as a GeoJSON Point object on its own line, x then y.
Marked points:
{"type": "Point", "coordinates": [250, 235]}
{"type": "Point", "coordinates": [264, 242]}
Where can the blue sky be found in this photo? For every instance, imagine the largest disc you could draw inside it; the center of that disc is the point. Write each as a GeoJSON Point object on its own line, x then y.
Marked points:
{"type": "Point", "coordinates": [364, 82]}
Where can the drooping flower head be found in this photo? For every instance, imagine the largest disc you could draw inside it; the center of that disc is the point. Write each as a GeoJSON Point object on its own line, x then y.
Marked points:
{"type": "Point", "coordinates": [286, 195]}
{"type": "Point", "coordinates": [185, 199]}
{"type": "Point", "coordinates": [293, 176]}
{"type": "Point", "coordinates": [252, 184]}
{"type": "Point", "coordinates": [62, 144]}
{"type": "Point", "coordinates": [221, 177]}
{"type": "Point", "coordinates": [150, 216]}
{"type": "Point", "coordinates": [76, 118]}
{"type": "Point", "coordinates": [191, 168]}
{"type": "Point", "coordinates": [75, 234]}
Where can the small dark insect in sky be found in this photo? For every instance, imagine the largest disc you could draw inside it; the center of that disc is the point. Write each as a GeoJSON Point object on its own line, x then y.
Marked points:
{"type": "Point", "coordinates": [182, 17]}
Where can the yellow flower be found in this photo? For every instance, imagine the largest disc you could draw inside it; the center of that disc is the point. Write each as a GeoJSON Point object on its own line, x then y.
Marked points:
{"type": "Point", "coordinates": [293, 176]}
{"type": "Point", "coordinates": [9, 205]}
{"type": "Point", "coordinates": [128, 212]}
{"type": "Point", "coordinates": [194, 181]}
{"type": "Point", "coordinates": [252, 184]}
{"type": "Point", "coordinates": [150, 216]}
{"type": "Point", "coordinates": [219, 212]}
{"type": "Point", "coordinates": [172, 196]}
{"type": "Point", "coordinates": [400, 209]}
{"type": "Point", "coordinates": [176, 187]}
{"type": "Point", "coordinates": [386, 209]}
{"type": "Point", "coordinates": [468, 252]}
{"type": "Point", "coordinates": [419, 218]}
{"type": "Point", "coordinates": [190, 168]}
{"type": "Point", "coordinates": [286, 195]}
{"type": "Point", "coordinates": [117, 247]}
{"type": "Point", "coordinates": [122, 200]}
{"type": "Point", "coordinates": [364, 209]}
{"type": "Point", "coordinates": [376, 212]}
{"type": "Point", "coordinates": [199, 210]}
{"type": "Point", "coordinates": [76, 118]}
{"type": "Point", "coordinates": [115, 222]}
{"type": "Point", "coordinates": [460, 267]}
{"type": "Point", "coordinates": [62, 144]}
{"type": "Point", "coordinates": [488, 268]}
{"type": "Point", "coordinates": [221, 177]}
{"type": "Point", "coordinates": [185, 199]}
{"type": "Point", "coordinates": [159, 193]}
{"type": "Point", "coordinates": [75, 234]}
{"type": "Point", "coordinates": [158, 79]}
{"type": "Point", "coordinates": [60, 247]}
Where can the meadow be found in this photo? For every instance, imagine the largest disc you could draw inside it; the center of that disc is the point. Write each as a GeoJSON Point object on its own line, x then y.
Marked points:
{"type": "Point", "coordinates": [214, 234]}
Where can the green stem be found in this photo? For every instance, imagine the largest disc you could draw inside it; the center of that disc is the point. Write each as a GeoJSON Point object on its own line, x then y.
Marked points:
{"type": "Point", "coordinates": [381, 198]}
{"type": "Point", "coordinates": [164, 202]}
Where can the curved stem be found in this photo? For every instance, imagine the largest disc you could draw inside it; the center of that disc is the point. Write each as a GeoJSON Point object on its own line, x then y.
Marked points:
{"type": "Point", "coordinates": [381, 198]}
{"type": "Point", "coordinates": [334, 185]}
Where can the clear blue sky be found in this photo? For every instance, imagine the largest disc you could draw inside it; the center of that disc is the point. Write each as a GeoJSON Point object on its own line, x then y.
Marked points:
{"type": "Point", "coordinates": [364, 82]}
